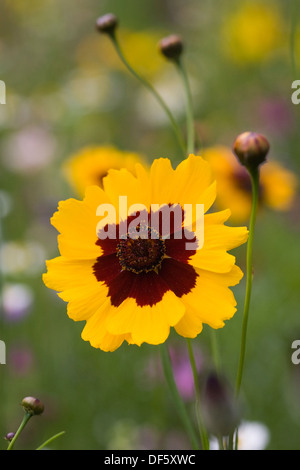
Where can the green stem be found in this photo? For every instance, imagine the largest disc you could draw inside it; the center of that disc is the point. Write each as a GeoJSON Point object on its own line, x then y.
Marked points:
{"type": "Point", "coordinates": [215, 349]}
{"type": "Point", "coordinates": [221, 444]}
{"type": "Point", "coordinates": [152, 90]}
{"type": "Point", "coordinates": [51, 439]}
{"type": "Point", "coordinates": [254, 174]}
{"type": "Point", "coordinates": [189, 108]}
{"type": "Point", "coordinates": [180, 407]}
{"type": "Point", "coordinates": [25, 420]}
{"type": "Point", "coordinates": [202, 431]}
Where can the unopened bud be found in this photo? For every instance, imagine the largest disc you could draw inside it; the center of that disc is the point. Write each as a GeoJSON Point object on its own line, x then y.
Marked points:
{"type": "Point", "coordinates": [9, 436]}
{"type": "Point", "coordinates": [251, 149]}
{"type": "Point", "coordinates": [221, 413]}
{"type": "Point", "coordinates": [171, 47]}
{"type": "Point", "coordinates": [107, 23]}
{"type": "Point", "coordinates": [32, 405]}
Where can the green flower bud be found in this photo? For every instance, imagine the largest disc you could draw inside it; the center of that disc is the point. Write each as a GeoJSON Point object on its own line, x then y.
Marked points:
{"type": "Point", "coordinates": [32, 405]}
{"type": "Point", "coordinates": [171, 47]}
{"type": "Point", "coordinates": [251, 149]}
{"type": "Point", "coordinates": [107, 23]}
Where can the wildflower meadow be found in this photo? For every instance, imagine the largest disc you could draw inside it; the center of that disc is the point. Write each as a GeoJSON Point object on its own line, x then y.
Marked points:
{"type": "Point", "coordinates": [149, 227]}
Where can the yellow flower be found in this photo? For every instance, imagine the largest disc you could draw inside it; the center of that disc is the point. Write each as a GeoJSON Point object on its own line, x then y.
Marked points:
{"type": "Point", "coordinates": [90, 165]}
{"type": "Point", "coordinates": [140, 49]}
{"type": "Point", "coordinates": [253, 32]}
{"type": "Point", "coordinates": [135, 288]}
{"type": "Point", "coordinates": [277, 185]}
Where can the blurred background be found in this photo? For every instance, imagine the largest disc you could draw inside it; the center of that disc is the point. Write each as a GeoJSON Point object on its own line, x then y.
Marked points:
{"type": "Point", "coordinates": [65, 90]}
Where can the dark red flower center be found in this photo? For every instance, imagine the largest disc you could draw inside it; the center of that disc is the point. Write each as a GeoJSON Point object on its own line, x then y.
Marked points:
{"type": "Point", "coordinates": [146, 265]}
{"type": "Point", "coordinates": [141, 255]}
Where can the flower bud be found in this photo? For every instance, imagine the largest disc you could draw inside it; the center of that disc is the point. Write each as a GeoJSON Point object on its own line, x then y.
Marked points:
{"type": "Point", "coordinates": [107, 23]}
{"type": "Point", "coordinates": [171, 47]}
{"type": "Point", "coordinates": [251, 149]}
{"type": "Point", "coordinates": [32, 406]}
{"type": "Point", "coordinates": [9, 436]}
{"type": "Point", "coordinates": [221, 413]}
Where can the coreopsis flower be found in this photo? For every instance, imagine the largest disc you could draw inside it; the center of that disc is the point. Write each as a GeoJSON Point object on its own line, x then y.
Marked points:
{"type": "Point", "coordinates": [277, 184]}
{"type": "Point", "coordinates": [133, 277]}
{"type": "Point", "coordinates": [252, 33]}
{"type": "Point", "coordinates": [90, 165]}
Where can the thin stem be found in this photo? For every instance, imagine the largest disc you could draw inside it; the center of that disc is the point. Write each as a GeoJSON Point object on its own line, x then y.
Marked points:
{"type": "Point", "coordinates": [180, 407]}
{"type": "Point", "coordinates": [148, 85]}
{"type": "Point", "coordinates": [51, 439]}
{"type": "Point", "coordinates": [2, 329]}
{"type": "Point", "coordinates": [221, 443]}
{"type": "Point", "coordinates": [254, 174]}
{"type": "Point", "coordinates": [25, 420]}
{"type": "Point", "coordinates": [189, 108]}
{"type": "Point", "coordinates": [215, 349]}
{"type": "Point", "coordinates": [202, 431]}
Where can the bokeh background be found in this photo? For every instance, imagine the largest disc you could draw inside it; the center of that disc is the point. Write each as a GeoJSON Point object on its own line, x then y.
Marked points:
{"type": "Point", "coordinates": [66, 89]}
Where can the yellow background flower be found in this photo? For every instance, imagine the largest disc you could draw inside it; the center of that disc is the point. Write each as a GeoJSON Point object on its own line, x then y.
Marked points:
{"type": "Point", "coordinates": [90, 165]}
{"type": "Point", "coordinates": [278, 185]}
{"type": "Point", "coordinates": [140, 49]}
{"type": "Point", "coordinates": [253, 32]}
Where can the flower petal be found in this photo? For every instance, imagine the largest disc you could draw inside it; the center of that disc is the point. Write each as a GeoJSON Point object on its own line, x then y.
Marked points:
{"type": "Point", "coordinates": [211, 302]}
{"type": "Point", "coordinates": [77, 223]}
{"type": "Point", "coordinates": [150, 324]}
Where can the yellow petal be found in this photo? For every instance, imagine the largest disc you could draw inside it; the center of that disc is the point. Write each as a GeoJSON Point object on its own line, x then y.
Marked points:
{"type": "Point", "coordinates": [64, 273]}
{"type": "Point", "coordinates": [210, 302]}
{"type": "Point", "coordinates": [96, 333]}
{"type": "Point", "coordinates": [190, 183]}
{"type": "Point", "coordinates": [84, 301]}
{"type": "Point", "coordinates": [146, 324]}
{"type": "Point", "coordinates": [123, 183]}
{"type": "Point", "coordinates": [224, 237]}
{"type": "Point", "coordinates": [213, 260]}
{"type": "Point", "coordinates": [77, 222]}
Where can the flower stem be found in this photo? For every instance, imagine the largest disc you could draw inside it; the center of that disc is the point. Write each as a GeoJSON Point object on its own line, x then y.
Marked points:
{"type": "Point", "coordinates": [215, 349]}
{"type": "Point", "coordinates": [25, 420]}
{"type": "Point", "coordinates": [180, 407]}
{"type": "Point", "coordinates": [254, 174]}
{"type": "Point", "coordinates": [152, 90]}
{"type": "Point", "coordinates": [189, 108]}
{"type": "Point", "coordinates": [202, 431]}
{"type": "Point", "coordinates": [51, 439]}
